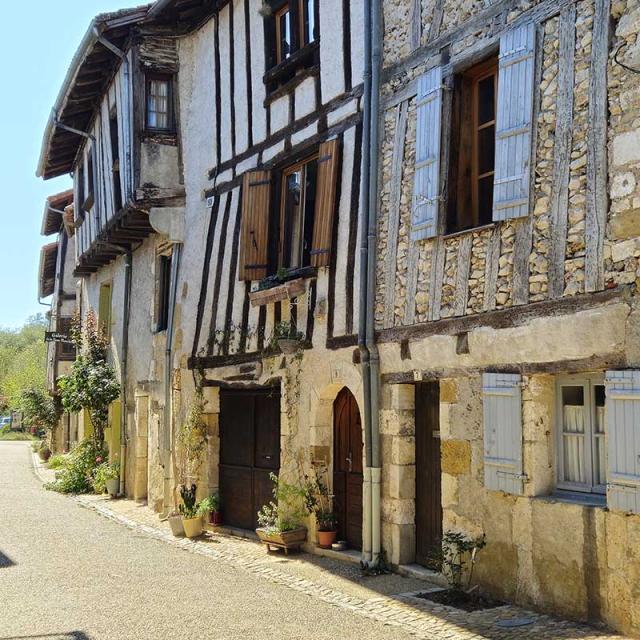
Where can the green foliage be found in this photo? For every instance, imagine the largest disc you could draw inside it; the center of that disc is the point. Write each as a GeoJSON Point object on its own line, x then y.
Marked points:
{"type": "Point", "coordinates": [458, 551]}
{"type": "Point", "coordinates": [287, 510]}
{"type": "Point", "coordinates": [192, 442]}
{"type": "Point", "coordinates": [189, 507]}
{"type": "Point", "coordinates": [23, 356]}
{"type": "Point", "coordinates": [78, 474]}
{"type": "Point", "coordinates": [44, 452]}
{"type": "Point", "coordinates": [59, 461]}
{"type": "Point", "coordinates": [39, 409]}
{"type": "Point", "coordinates": [104, 472]}
{"type": "Point", "coordinates": [92, 383]}
{"type": "Point", "coordinates": [7, 435]}
{"type": "Point", "coordinates": [209, 505]}
{"type": "Point", "coordinates": [318, 500]}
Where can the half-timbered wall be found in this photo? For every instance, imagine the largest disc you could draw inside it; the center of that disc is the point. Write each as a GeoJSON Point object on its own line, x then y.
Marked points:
{"type": "Point", "coordinates": [103, 209]}
{"type": "Point", "coordinates": [231, 125]}
{"type": "Point", "coordinates": [563, 247]}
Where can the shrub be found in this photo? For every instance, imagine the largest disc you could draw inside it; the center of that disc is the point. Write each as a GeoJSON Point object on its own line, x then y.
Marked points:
{"type": "Point", "coordinates": [78, 474]}
{"type": "Point", "coordinates": [58, 461]}
{"type": "Point", "coordinates": [104, 472]}
{"type": "Point", "coordinates": [44, 452]}
{"type": "Point", "coordinates": [288, 509]}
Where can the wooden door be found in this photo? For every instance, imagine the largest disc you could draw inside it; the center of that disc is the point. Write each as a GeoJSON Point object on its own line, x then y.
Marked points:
{"type": "Point", "coordinates": [428, 498]}
{"type": "Point", "coordinates": [347, 468]}
{"type": "Point", "coordinates": [249, 452]}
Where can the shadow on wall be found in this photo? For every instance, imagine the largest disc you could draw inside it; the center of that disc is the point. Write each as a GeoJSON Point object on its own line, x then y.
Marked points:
{"type": "Point", "coordinates": [5, 561]}
{"type": "Point", "coordinates": [71, 635]}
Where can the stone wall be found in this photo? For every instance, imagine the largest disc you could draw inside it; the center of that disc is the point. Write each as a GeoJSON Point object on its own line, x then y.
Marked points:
{"type": "Point", "coordinates": [402, 260]}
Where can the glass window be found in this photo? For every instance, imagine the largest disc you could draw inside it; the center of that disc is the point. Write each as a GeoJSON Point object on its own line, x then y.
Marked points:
{"type": "Point", "coordinates": [297, 215]}
{"type": "Point", "coordinates": [283, 33]}
{"type": "Point", "coordinates": [159, 103]}
{"type": "Point", "coordinates": [582, 439]}
{"type": "Point", "coordinates": [308, 21]}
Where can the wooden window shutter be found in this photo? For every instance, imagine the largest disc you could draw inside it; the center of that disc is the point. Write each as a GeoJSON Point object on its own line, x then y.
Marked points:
{"type": "Point", "coordinates": [502, 404]}
{"type": "Point", "coordinates": [426, 182]}
{"type": "Point", "coordinates": [623, 435]}
{"type": "Point", "coordinates": [254, 237]}
{"type": "Point", "coordinates": [325, 203]}
{"type": "Point", "coordinates": [104, 309]}
{"type": "Point", "coordinates": [514, 123]}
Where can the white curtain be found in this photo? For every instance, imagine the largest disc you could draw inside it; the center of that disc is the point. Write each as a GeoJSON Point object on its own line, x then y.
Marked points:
{"type": "Point", "coordinates": [573, 441]}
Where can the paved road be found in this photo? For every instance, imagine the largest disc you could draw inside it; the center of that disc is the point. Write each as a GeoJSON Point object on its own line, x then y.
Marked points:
{"type": "Point", "coordinates": [68, 574]}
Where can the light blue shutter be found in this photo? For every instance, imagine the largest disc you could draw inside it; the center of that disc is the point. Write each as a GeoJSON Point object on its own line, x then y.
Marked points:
{"type": "Point", "coordinates": [426, 185]}
{"type": "Point", "coordinates": [502, 402]}
{"type": "Point", "coordinates": [514, 123]}
{"type": "Point", "coordinates": [623, 435]}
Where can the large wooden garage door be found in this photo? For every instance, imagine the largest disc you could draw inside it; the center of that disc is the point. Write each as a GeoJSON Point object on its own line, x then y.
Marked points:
{"type": "Point", "coordinates": [249, 452]}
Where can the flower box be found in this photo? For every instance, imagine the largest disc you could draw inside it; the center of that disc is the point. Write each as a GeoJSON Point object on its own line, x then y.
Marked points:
{"type": "Point", "coordinates": [284, 291]}
{"type": "Point", "coordinates": [283, 539]}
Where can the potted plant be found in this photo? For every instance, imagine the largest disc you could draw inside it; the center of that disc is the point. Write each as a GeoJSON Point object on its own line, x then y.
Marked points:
{"type": "Point", "coordinates": [175, 522]}
{"type": "Point", "coordinates": [191, 520]}
{"type": "Point", "coordinates": [287, 338]}
{"type": "Point", "coordinates": [281, 520]}
{"type": "Point", "coordinates": [210, 507]}
{"type": "Point", "coordinates": [44, 452]}
{"type": "Point", "coordinates": [107, 477]}
{"type": "Point", "coordinates": [319, 503]}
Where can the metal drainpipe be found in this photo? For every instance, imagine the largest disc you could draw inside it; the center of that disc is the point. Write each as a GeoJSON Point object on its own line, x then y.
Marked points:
{"type": "Point", "coordinates": [374, 358]}
{"type": "Point", "coordinates": [362, 320]}
{"type": "Point", "coordinates": [128, 268]}
{"type": "Point", "coordinates": [166, 452]}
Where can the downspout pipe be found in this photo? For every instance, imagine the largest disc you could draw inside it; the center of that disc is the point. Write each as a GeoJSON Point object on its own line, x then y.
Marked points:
{"type": "Point", "coordinates": [128, 278]}
{"type": "Point", "coordinates": [374, 357]}
{"type": "Point", "coordinates": [168, 368]}
{"type": "Point", "coordinates": [364, 250]}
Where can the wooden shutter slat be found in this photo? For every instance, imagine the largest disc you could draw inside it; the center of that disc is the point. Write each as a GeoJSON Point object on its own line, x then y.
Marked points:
{"type": "Point", "coordinates": [502, 406]}
{"type": "Point", "coordinates": [426, 182]}
{"type": "Point", "coordinates": [514, 123]}
{"type": "Point", "coordinates": [254, 234]}
{"type": "Point", "coordinates": [325, 203]}
{"type": "Point", "coordinates": [623, 436]}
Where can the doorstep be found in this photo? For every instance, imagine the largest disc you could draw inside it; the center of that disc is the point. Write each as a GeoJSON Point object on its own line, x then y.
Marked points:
{"type": "Point", "coordinates": [248, 534]}
{"type": "Point", "coordinates": [421, 573]}
{"type": "Point", "coordinates": [348, 555]}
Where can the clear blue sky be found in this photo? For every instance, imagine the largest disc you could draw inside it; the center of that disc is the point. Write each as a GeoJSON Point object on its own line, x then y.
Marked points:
{"type": "Point", "coordinates": [38, 45]}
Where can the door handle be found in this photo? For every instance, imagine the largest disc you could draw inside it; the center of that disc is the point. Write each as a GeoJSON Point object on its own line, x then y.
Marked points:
{"type": "Point", "coordinates": [349, 460]}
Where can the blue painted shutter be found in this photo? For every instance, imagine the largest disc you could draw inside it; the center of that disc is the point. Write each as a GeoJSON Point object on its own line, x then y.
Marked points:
{"type": "Point", "coordinates": [426, 182]}
{"type": "Point", "coordinates": [502, 403]}
{"type": "Point", "coordinates": [514, 123]}
{"type": "Point", "coordinates": [623, 434]}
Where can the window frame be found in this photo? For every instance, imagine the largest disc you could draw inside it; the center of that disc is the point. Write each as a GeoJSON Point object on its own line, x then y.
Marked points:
{"type": "Point", "coordinates": [163, 291]}
{"type": "Point", "coordinates": [588, 382]}
{"type": "Point", "coordinates": [169, 78]}
{"type": "Point", "coordinates": [286, 171]}
{"type": "Point", "coordinates": [466, 87]}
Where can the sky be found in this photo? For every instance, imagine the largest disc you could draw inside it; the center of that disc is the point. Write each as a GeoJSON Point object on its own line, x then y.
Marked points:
{"type": "Point", "coordinates": [37, 50]}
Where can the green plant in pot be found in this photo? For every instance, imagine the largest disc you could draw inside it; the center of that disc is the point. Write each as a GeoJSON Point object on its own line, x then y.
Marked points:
{"type": "Point", "coordinates": [281, 519]}
{"type": "Point", "coordinates": [319, 502]}
{"type": "Point", "coordinates": [210, 507]}
{"type": "Point", "coordinates": [287, 337]}
{"type": "Point", "coordinates": [106, 477]}
{"type": "Point", "coordinates": [189, 510]}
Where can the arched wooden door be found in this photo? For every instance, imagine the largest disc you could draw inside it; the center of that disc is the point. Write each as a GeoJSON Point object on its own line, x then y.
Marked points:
{"type": "Point", "coordinates": [347, 468]}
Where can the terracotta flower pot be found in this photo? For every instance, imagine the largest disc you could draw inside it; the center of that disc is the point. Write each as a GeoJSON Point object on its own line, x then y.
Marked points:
{"type": "Point", "coordinates": [288, 346]}
{"type": "Point", "coordinates": [192, 527]}
{"type": "Point", "coordinates": [326, 538]}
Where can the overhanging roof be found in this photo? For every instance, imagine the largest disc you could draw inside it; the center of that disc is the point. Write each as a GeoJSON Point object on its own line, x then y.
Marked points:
{"type": "Point", "coordinates": [47, 271]}
{"type": "Point", "coordinates": [52, 218]}
{"type": "Point", "coordinates": [86, 81]}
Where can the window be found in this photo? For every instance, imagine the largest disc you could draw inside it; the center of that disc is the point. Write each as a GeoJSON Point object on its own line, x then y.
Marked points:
{"type": "Point", "coordinates": [160, 103]}
{"type": "Point", "coordinates": [295, 27]}
{"type": "Point", "coordinates": [299, 185]}
{"type": "Point", "coordinates": [163, 290]}
{"type": "Point", "coordinates": [581, 435]}
{"type": "Point", "coordinates": [66, 350]}
{"type": "Point", "coordinates": [80, 190]}
{"type": "Point", "coordinates": [473, 143]}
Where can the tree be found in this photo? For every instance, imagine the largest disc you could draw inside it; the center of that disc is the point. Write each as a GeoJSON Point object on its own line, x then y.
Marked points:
{"type": "Point", "coordinates": [41, 411]}
{"type": "Point", "coordinates": [92, 383]}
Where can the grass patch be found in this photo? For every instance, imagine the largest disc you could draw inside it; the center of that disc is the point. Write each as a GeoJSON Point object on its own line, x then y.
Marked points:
{"type": "Point", "coordinates": [16, 436]}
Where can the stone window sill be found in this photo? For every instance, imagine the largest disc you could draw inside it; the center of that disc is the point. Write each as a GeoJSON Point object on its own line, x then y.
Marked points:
{"type": "Point", "coordinates": [576, 498]}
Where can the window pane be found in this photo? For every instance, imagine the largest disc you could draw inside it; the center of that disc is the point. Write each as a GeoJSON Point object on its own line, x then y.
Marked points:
{"type": "Point", "coordinates": [486, 100]}
{"type": "Point", "coordinates": [284, 22]}
{"type": "Point", "coordinates": [573, 430]}
{"type": "Point", "coordinates": [485, 200]}
{"type": "Point", "coordinates": [158, 104]}
{"type": "Point", "coordinates": [486, 149]}
{"type": "Point", "coordinates": [600, 442]}
{"type": "Point", "coordinates": [293, 219]}
{"type": "Point", "coordinates": [311, 172]}
{"type": "Point", "coordinates": [309, 20]}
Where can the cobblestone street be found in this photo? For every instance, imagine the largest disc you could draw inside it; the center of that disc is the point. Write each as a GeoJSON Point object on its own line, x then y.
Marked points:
{"type": "Point", "coordinates": [67, 573]}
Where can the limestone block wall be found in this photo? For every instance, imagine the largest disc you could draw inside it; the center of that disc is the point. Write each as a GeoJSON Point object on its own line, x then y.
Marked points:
{"type": "Point", "coordinates": [546, 255]}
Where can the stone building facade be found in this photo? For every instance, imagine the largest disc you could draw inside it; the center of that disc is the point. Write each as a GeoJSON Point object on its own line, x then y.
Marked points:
{"type": "Point", "coordinates": [524, 320]}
